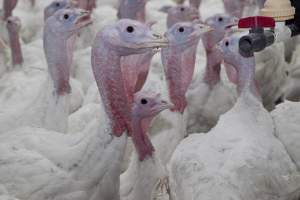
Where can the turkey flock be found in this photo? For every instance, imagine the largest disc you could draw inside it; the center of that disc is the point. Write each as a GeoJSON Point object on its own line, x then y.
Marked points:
{"type": "Point", "coordinates": [144, 100]}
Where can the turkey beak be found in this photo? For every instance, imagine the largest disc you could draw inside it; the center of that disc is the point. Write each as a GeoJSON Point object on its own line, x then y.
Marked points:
{"type": "Point", "coordinates": [165, 105]}
{"type": "Point", "coordinates": [157, 41]}
{"type": "Point", "coordinates": [234, 22]}
{"type": "Point", "coordinates": [84, 19]}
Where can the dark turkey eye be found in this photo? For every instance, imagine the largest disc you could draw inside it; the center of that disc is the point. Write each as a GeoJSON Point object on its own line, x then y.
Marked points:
{"type": "Point", "coordinates": [181, 29]}
{"type": "Point", "coordinates": [66, 16]}
{"type": "Point", "coordinates": [220, 19]}
{"type": "Point", "coordinates": [182, 9]}
{"type": "Point", "coordinates": [57, 4]}
{"type": "Point", "coordinates": [144, 101]}
{"type": "Point", "coordinates": [130, 29]}
{"type": "Point", "coordinates": [226, 43]}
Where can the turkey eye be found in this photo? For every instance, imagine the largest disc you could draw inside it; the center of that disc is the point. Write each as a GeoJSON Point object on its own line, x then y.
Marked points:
{"type": "Point", "coordinates": [181, 29]}
{"type": "Point", "coordinates": [226, 43]}
{"type": "Point", "coordinates": [181, 9]}
{"type": "Point", "coordinates": [130, 29]}
{"type": "Point", "coordinates": [57, 4]}
{"type": "Point", "coordinates": [144, 101]}
{"type": "Point", "coordinates": [66, 16]}
{"type": "Point", "coordinates": [220, 19]}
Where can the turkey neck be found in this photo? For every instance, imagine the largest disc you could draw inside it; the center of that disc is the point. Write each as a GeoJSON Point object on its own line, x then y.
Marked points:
{"type": "Point", "coordinates": [107, 71]}
{"type": "Point", "coordinates": [16, 51]}
{"type": "Point", "coordinates": [132, 9]}
{"type": "Point", "coordinates": [173, 71]}
{"type": "Point", "coordinates": [179, 64]}
{"type": "Point", "coordinates": [246, 74]}
{"type": "Point", "coordinates": [213, 67]}
{"type": "Point", "coordinates": [58, 55]}
{"type": "Point", "coordinates": [140, 137]}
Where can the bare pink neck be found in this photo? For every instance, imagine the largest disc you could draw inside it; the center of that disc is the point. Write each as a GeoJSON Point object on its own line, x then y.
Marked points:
{"type": "Point", "coordinates": [140, 138]}
{"type": "Point", "coordinates": [59, 61]}
{"type": "Point", "coordinates": [213, 67]}
{"type": "Point", "coordinates": [16, 51]}
{"type": "Point", "coordinates": [106, 63]}
{"type": "Point", "coordinates": [179, 64]}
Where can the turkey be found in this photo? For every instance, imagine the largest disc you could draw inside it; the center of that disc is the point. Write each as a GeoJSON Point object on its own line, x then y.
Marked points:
{"type": "Point", "coordinates": [74, 166]}
{"type": "Point", "coordinates": [135, 68]}
{"type": "Point", "coordinates": [45, 105]}
{"type": "Point", "coordinates": [209, 96]}
{"type": "Point", "coordinates": [179, 61]}
{"type": "Point", "coordinates": [240, 158]}
{"type": "Point", "coordinates": [286, 118]}
{"type": "Point", "coordinates": [125, 38]}
{"type": "Point", "coordinates": [85, 165]}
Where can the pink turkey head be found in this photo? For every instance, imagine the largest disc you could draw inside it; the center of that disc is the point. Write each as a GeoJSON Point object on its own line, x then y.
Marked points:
{"type": "Point", "coordinates": [220, 24]}
{"type": "Point", "coordinates": [145, 107]}
{"type": "Point", "coordinates": [13, 25]}
{"type": "Point", "coordinates": [67, 22]}
{"type": "Point", "coordinates": [148, 105]}
{"type": "Point", "coordinates": [128, 37]}
{"type": "Point", "coordinates": [8, 7]}
{"type": "Point", "coordinates": [55, 6]}
{"type": "Point", "coordinates": [230, 51]}
{"type": "Point", "coordinates": [245, 67]}
{"type": "Point", "coordinates": [186, 34]}
{"type": "Point", "coordinates": [180, 13]}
